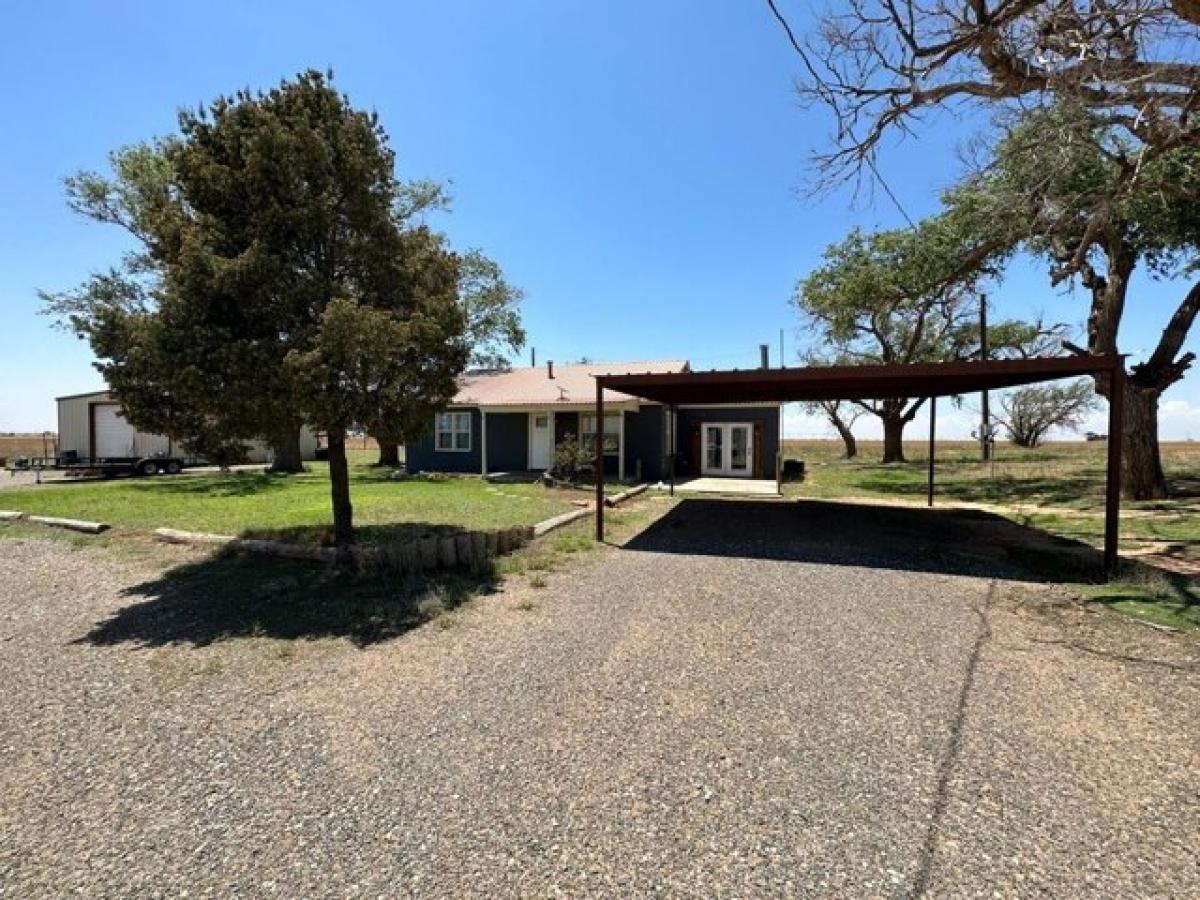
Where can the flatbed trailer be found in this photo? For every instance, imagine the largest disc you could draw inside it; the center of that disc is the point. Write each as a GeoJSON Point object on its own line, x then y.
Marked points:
{"type": "Point", "coordinates": [106, 466]}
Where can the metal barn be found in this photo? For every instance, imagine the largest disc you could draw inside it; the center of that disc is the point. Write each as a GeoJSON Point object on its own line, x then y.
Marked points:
{"type": "Point", "coordinates": [91, 426]}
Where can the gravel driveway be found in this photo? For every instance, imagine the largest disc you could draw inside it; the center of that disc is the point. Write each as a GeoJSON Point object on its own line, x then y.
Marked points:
{"type": "Point", "coordinates": [652, 722]}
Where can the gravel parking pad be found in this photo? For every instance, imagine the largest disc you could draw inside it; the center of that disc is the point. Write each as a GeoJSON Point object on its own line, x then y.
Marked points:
{"type": "Point", "coordinates": [650, 722]}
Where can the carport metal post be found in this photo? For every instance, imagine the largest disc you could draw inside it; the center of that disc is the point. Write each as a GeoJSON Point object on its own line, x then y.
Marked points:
{"type": "Point", "coordinates": [932, 429]}
{"type": "Point", "coordinates": [1112, 485]}
{"type": "Point", "coordinates": [599, 459]}
{"type": "Point", "coordinates": [673, 448]}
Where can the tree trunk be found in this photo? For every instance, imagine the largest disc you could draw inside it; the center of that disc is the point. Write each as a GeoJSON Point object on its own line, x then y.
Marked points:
{"type": "Point", "coordinates": [339, 487]}
{"type": "Point", "coordinates": [847, 437]}
{"type": "Point", "coordinates": [893, 437]}
{"type": "Point", "coordinates": [1142, 475]}
{"type": "Point", "coordinates": [389, 454]}
{"type": "Point", "coordinates": [285, 450]}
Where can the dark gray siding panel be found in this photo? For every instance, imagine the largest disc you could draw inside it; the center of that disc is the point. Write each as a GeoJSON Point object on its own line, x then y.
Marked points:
{"type": "Point", "coordinates": [644, 440]}
{"type": "Point", "coordinates": [422, 456]}
{"type": "Point", "coordinates": [691, 419]}
{"type": "Point", "coordinates": [508, 442]}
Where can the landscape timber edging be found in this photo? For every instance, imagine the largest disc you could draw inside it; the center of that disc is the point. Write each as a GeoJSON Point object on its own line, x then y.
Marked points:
{"type": "Point", "coordinates": [625, 495]}
{"type": "Point", "coordinates": [470, 550]}
{"type": "Point", "coordinates": [574, 515]}
{"type": "Point", "coordinates": [548, 525]}
{"type": "Point", "coordinates": [8, 515]}
{"type": "Point", "coordinates": [72, 524]}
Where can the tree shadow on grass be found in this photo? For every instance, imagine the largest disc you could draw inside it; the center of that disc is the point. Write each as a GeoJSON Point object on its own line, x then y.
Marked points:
{"type": "Point", "coordinates": [234, 594]}
{"type": "Point", "coordinates": [235, 484]}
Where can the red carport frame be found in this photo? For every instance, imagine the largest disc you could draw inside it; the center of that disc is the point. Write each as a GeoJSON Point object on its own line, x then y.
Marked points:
{"type": "Point", "coordinates": [929, 380]}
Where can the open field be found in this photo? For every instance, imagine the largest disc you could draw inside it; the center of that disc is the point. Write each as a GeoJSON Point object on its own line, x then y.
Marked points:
{"type": "Point", "coordinates": [1058, 487]}
{"type": "Point", "coordinates": [15, 444]}
{"type": "Point", "coordinates": [296, 506]}
{"type": "Point", "coordinates": [1062, 480]}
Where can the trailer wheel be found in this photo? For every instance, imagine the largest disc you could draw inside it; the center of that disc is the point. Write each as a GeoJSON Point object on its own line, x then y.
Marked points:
{"type": "Point", "coordinates": [174, 467]}
{"type": "Point", "coordinates": [147, 467]}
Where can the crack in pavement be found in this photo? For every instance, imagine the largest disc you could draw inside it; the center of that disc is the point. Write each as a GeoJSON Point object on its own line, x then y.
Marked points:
{"type": "Point", "coordinates": [954, 750]}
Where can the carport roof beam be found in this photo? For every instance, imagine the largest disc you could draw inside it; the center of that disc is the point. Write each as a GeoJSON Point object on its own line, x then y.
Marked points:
{"type": "Point", "coordinates": [854, 382]}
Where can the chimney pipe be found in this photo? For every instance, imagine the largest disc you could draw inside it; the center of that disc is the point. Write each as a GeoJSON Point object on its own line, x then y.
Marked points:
{"type": "Point", "coordinates": [533, 357]}
{"type": "Point", "coordinates": [550, 368]}
{"type": "Point", "coordinates": [764, 353]}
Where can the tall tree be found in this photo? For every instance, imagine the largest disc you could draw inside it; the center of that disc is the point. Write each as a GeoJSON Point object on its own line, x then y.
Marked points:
{"type": "Point", "coordinates": [366, 364]}
{"type": "Point", "coordinates": [118, 312]}
{"type": "Point", "coordinates": [491, 308]}
{"type": "Point", "coordinates": [890, 298]}
{"type": "Point", "coordinates": [271, 207]}
{"type": "Point", "coordinates": [1131, 71]}
{"type": "Point", "coordinates": [881, 66]}
{"type": "Point", "coordinates": [1051, 187]}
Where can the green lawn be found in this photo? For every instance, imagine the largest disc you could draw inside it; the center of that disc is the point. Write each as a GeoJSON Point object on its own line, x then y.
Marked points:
{"type": "Point", "coordinates": [1058, 488]}
{"type": "Point", "coordinates": [296, 506]}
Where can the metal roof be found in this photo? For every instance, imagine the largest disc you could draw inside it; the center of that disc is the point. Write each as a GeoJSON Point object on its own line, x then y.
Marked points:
{"type": "Point", "coordinates": [869, 382]}
{"type": "Point", "coordinates": [571, 383]}
{"type": "Point", "coordinates": [101, 393]}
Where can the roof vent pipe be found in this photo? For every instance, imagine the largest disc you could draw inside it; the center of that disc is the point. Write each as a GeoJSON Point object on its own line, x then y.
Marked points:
{"type": "Point", "coordinates": [764, 354]}
{"type": "Point", "coordinates": [550, 368]}
{"type": "Point", "coordinates": [533, 357]}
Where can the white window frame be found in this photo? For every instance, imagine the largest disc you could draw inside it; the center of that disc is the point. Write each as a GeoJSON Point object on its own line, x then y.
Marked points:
{"type": "Point", "coordinates": [453, 418]}
{"type": "Point", "coordinates": [612, 432]}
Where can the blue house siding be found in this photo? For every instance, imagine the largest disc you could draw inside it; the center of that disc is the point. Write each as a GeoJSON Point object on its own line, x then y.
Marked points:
{"type": "Point", "coordinates": [508, 442]}
{"type": "Point", "coordinates": [645, 441]}
{"type": "Point", "coordinates": [423, 456]}
{"type": "Point", "coordinates": [690, 420]}
{"type": "Point", "coordinates": [508, 447]}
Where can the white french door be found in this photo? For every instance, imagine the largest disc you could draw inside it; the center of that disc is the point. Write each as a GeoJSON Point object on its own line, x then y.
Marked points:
{"type": "Point", "coordinates": [728, 448]}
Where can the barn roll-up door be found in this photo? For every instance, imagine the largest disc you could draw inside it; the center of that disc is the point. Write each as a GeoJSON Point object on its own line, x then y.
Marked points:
{"type": "Point", "coordinates": [111, 434]}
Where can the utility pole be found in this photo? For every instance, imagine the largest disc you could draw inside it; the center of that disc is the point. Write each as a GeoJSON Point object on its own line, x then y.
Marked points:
{"type": "Point", "coordinates": [985, 425]}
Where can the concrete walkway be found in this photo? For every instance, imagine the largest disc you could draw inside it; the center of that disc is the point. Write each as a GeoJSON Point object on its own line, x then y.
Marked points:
{"type": "Point", "coordinates": [744, 487]}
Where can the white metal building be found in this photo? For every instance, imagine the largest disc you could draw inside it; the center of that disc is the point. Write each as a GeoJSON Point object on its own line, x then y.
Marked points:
{"type": "Point", "coordinates": [92, 425]}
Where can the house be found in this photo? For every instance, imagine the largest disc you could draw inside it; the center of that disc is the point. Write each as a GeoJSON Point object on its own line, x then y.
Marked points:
{"type": "Point", "coordinates": [511, 421]}
{"type": "Point", "coordinates": [92, 426]}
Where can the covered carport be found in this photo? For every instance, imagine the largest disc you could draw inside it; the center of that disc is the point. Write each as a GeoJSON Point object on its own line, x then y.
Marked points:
{"type": "Point", "coordinates": [879, 382]}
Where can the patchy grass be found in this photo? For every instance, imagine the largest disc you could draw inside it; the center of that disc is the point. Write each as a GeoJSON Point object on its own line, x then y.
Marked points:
{"type": "Point", "coordinates": [295, 506]}
{"type": "Point", "coordinates": [1058, 488]}
{"type": "Point", "coordinates": [1063, 475]}
{"type": "Point", "coordinates": [556, 550]}
{"type": "Point", "coordinates": [1176, 605]}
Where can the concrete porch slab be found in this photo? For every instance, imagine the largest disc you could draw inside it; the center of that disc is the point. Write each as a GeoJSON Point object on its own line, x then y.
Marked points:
{"type": "Point", "coordinates": [757, 487]}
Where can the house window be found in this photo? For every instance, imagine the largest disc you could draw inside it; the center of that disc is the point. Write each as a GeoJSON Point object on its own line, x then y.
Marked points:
{"type": "Point", "coordinates": [453, 432]}
{"type": "Point", "coordinates": [612, 433]}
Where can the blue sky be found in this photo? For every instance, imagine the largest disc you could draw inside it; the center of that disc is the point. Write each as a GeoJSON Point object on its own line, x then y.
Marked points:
{"type": "Point", "coordinates": [634, 166]}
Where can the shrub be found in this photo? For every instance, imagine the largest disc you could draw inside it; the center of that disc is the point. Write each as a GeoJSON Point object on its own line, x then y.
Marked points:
{"type": "Point", "coordinates": [572, 461]}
